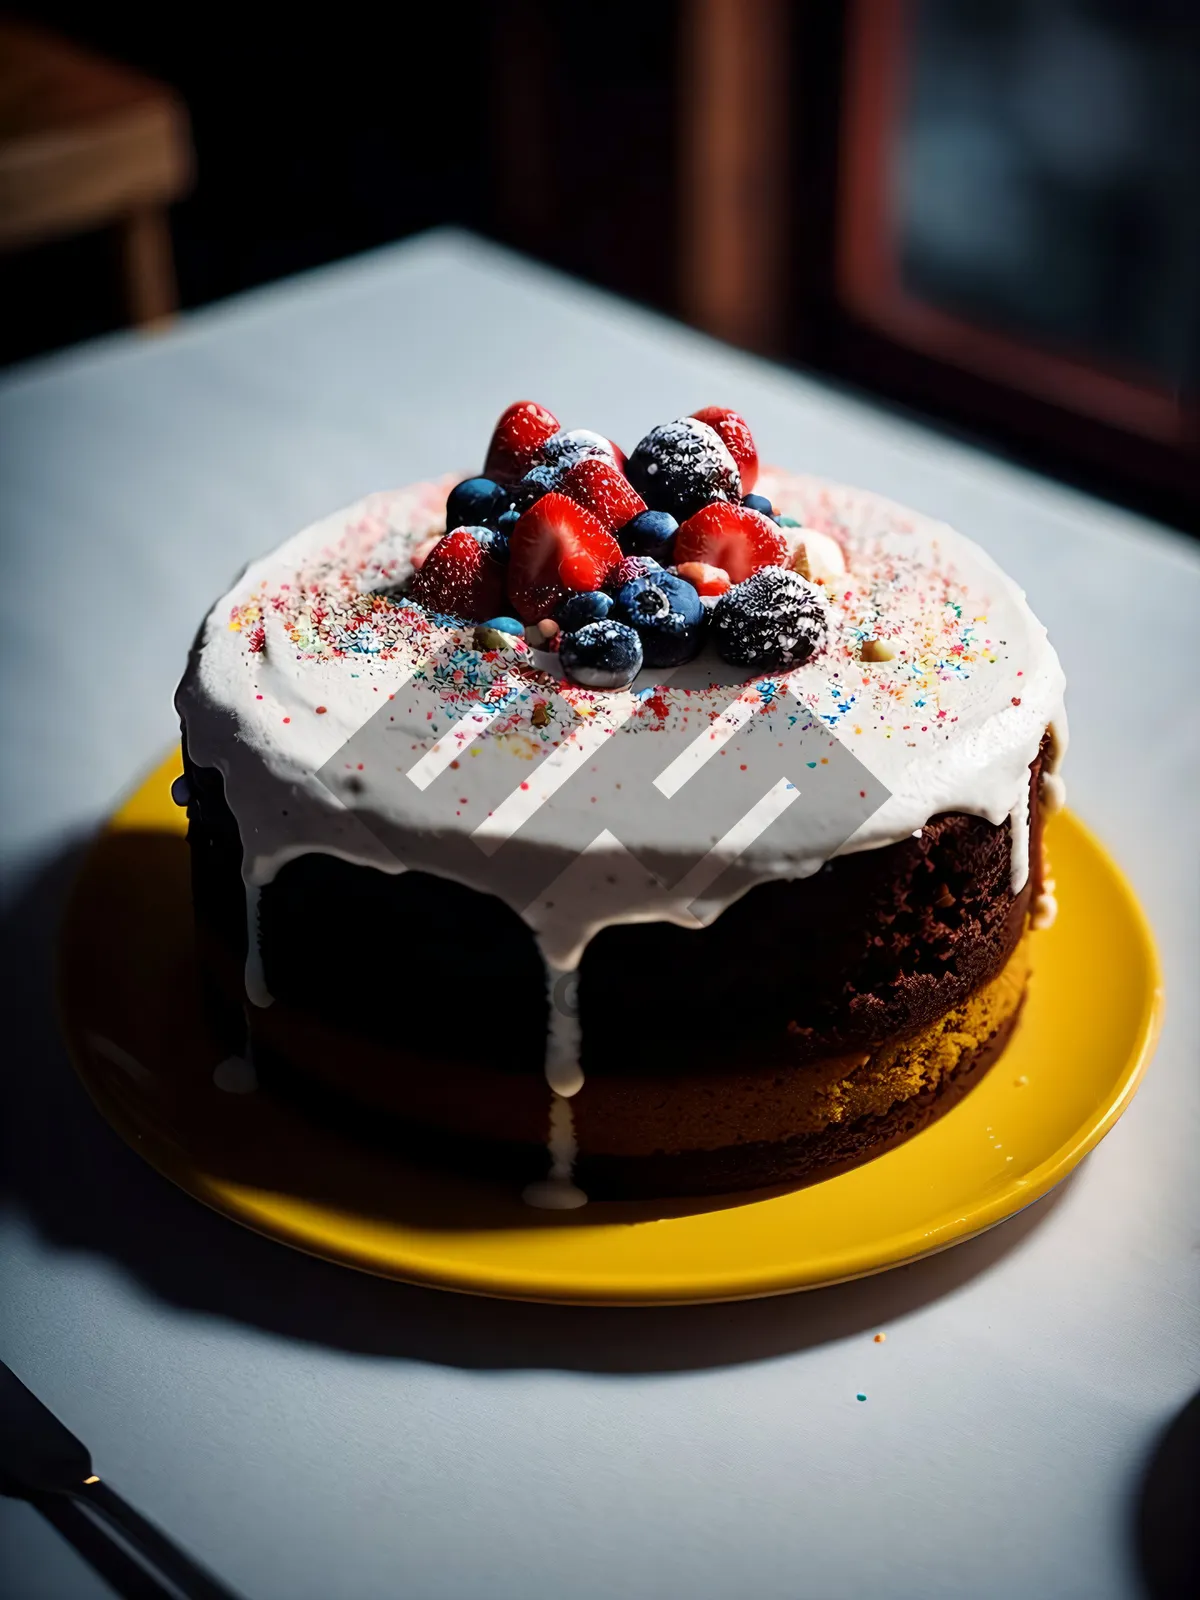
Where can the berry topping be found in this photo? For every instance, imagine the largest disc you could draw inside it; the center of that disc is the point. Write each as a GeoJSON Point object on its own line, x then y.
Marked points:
{"type": "Point", "coordinates": [734, 433]}
{"type": "Point", "coordinates": [518, 439]}
{"type": "Point", "coordinates": [578, 609]}
{"type": "Point", "coordinates": [507, 521]}
{"type": "Point", "coordinates": [667, 614]}
{"type": "Point", "coordinates": [815, 556]}
{"type": "Point", "coordinates": [556, 547]}
{"type": "Point", "coordinates": [732, 537]}
{"type": "Point", "coordinates": [759, 502]}
{"type": "Point", "coordinates": [474, 503]}
{"type": "Point", "coordinates": [681, 466]}
{"type": "Point", "coordinates": [619, 456]}
{"type": "Point", "coordinates": [631, 567]}
{"type": "Point", "coordinates": [706, 580]}
{"type": "Point", "coordinates": [597, 486]}
{"type": "Point", "coordinates": [459, 578]}
{"type": "Point", "coordinates": [650, 533]}
{"type": "Point", "coordinates": [496, 544]}
{"type": "Point", "coordinates": [602, 655]}
{"type": "Point", "coordinates": [508, 625]}
{"type": "Point", "coordinates": [774, 619]}
{"type": "Point", "coordinates": [560, 453]}
{"type": "Point", "coordinates": [522, 495]}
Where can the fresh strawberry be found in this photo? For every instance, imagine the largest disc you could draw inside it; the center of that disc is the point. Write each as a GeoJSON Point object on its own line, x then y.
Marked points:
{"type": "Point", "coordinates": [731, 537]}
{"type": "Point", "coordinates": [618, 455]}
{"type": "Point", "coordinates": [556, 547]}
{"type": "Point", "coordinates": [517, 441]}
{"type": "Point", "coordinates": [734, 432]}
{"type": "Point", "coordinates": [703, 578]}
{"type": "Point", "coordinates": [460, 579]}
{"type": "Point", "coordinates": [599, 488]}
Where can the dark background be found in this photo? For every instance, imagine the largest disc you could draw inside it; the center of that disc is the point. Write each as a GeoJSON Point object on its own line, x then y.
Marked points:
{"type": "Point", "coordinates": [1045, 178]}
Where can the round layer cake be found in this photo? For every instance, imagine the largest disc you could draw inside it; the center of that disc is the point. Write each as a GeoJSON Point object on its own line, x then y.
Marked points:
{"type": "Point", "coordinates": [733, 921]}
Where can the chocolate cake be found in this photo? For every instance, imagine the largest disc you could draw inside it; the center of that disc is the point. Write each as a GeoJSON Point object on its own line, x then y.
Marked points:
{"type": "Point", "coordinates": [662, 828]}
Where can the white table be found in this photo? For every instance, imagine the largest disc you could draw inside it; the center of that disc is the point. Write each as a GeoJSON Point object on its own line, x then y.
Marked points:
{"type": "Point", "coordinates": [309, 1432]}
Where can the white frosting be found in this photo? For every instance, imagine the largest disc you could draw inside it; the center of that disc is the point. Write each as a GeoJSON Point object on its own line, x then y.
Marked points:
{"type": "Point", "coordinates": [308, 658]}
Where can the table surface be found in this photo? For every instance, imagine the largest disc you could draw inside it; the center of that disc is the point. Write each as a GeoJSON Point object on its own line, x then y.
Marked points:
{"type": "Point", "coordinates": [311, 1432]}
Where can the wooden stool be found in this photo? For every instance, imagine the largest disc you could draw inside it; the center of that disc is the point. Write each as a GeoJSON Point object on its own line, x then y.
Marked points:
{"type": "Point", "coordinates": [85, 143]}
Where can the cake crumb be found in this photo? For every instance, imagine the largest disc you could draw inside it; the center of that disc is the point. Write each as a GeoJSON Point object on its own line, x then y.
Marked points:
{"type": "Point", "coordinates": [881, 1338]}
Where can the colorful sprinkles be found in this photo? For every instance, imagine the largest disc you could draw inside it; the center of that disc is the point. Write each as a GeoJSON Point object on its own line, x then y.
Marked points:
{"type": "Point", "coordinates": [347, 605]}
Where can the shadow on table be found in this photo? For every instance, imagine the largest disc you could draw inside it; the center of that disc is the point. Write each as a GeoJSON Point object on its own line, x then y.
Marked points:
{"type": "Point", "coordinates": [86, 1190]}
{"type": "Point", "coordinates": [1166, 1530]}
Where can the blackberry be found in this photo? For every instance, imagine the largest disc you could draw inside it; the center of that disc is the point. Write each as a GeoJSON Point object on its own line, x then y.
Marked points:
{"type": "Point", "coordinates": [681, 466]}
{"type": "Point", "coordinates": [774, 619]}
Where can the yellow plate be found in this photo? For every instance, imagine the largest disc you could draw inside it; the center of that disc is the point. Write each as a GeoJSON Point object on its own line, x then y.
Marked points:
{"type": "Point", "coordinates": [140, 1044]}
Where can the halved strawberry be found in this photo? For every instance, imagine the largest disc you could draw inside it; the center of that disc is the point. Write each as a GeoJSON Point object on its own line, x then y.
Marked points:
{"type": "Point", "coordinates": [703, 578]}
{"type": "Point", "coordinates": [734, 432]}
{"type": "Point", "coordinates": [459, 578]}
{"type": "Point", "coordinates": [518, 438]}
{"type": "Point", "coordinates": [599, 488]}
{"type": "Point", "coordinates": [732, 537]}
{"type": "Point", "coordinates": [618, 455]}
{"type": "Point", "coordinates": [556, 547]}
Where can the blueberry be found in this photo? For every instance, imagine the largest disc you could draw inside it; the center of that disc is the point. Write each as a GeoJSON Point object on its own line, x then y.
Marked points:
{"type": "Point", "coordinates": [787, 522]}
{"type": "Point", "coordinates": [496, 544]}
{"type": "Point", "coordinates": [668, 616]}
{"type": "Point", "coordinates": [578, 609]}
{"type": "Point", "coordinates": [681, 466]}
{"type": "Point", "coordinates": [759, 502]}
{"type": "Point", "coordinates": [560, 453]}
{"type": "Point", "coordinates": [506, 625]}
{"type": "Point", "coordinates": [650, 533]}
{"type": "Point", "coordinates": [601, 655]}
{"type": "Point", "coordinates": [507, 521]}
{"type": "Point", "coordinates": [474, 502]}
{"type": "Point", "coordinates": [520, 496]}
{"type": "Point", "coordinates": [774, 619]}
{"type": "Point", "coordinates": [631, 567]}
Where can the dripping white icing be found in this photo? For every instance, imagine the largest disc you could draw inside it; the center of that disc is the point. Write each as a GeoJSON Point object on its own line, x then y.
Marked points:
{"type": "Point", "coordinates": [563, 1072]}
{"type": "Point", "coordinates": [1018, 844]}
{"type": "Point", "coordinates": [1054, 793]}
{"type": "Point", "coordinates": [1045, 911]}
{"type": "Point", "coordinates": [557, 1191]}
{"type": "Point", "coordinates": [256, 984]}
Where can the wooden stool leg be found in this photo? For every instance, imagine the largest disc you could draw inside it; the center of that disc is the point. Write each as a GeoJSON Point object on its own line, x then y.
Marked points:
{"type": "Point", "coordinates": [149, 267]}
